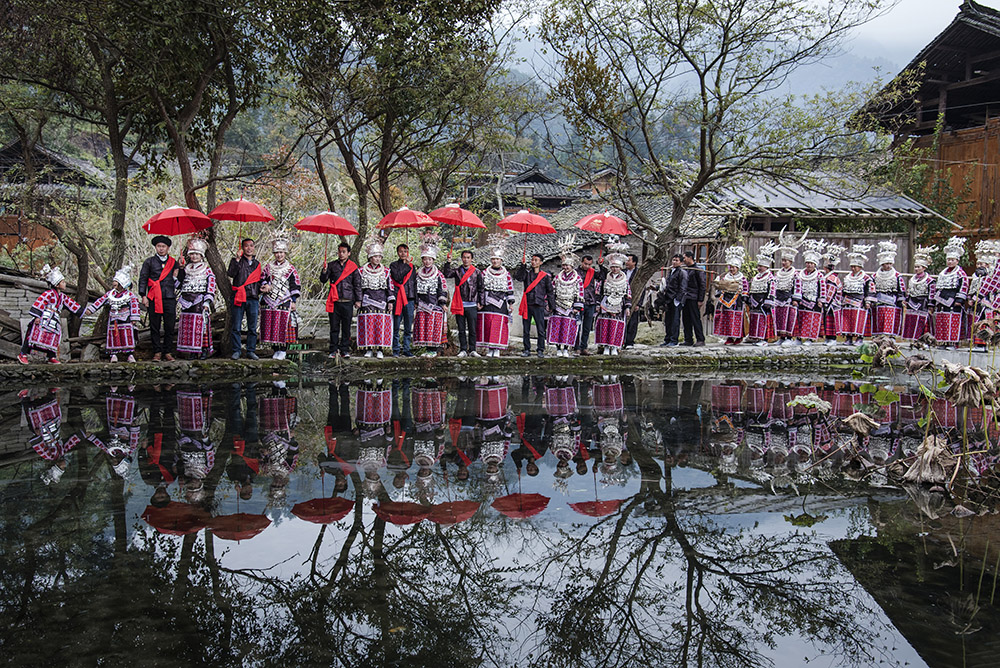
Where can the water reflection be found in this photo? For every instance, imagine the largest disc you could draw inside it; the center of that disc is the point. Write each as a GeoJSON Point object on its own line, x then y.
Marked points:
{"type": "Point", "coordinates": [543, 521]}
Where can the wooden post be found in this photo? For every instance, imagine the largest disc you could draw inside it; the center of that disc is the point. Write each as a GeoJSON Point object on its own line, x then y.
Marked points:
{"type": "Point", "coordinates": [912, 243]}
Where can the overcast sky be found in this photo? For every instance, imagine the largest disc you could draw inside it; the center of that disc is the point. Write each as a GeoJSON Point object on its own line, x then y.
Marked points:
{"type": "Point", "coordinates": [900, 34]}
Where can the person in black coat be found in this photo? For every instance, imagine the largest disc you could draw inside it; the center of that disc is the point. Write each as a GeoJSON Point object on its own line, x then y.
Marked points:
{"type": "Point", "coordinates": [592, 277]}
{"type": "Point", "coordinates": [343, 298]}
{"type": "Point", "coordinates": [632, 326]}
{"type": "Point", "coordinates": [538, 301]}
{"type": "Point", "coordinates": [694, 296]}
{"type": "Point", "coordinates": [404, 280]}
{"type": "Point", "coordinates": [158, 286]}
{"type": "Point", "coordinates": [245, 273]}
{"type": "Point", "coordinates": [673, 287]}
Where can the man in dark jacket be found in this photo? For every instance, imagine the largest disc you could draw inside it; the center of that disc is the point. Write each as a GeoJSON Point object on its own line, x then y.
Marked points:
{"type": "Point", "coordinates": [537, 302]}
{"type": "Point", "coordinates": [672, 289]}
{"type": "Point", "coordinates": [465, 301]}
{"type": "Point", "coordinates": [694, 296]}
{"type": "Point", "coordinates": [344, 296]}
{"type": "Point", "coordinates": [632, 326]}
{"type": "Point", "coordinates": [244, 272]}
{"type": "Point", "coordinates": [405, 282]}
{"type": "Point", "coordinates": [157, 286]}
{"type": "Point", "coordinates": [592, 277]}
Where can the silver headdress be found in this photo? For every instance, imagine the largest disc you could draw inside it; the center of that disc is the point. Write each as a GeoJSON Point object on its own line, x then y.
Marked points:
{"type": "Point", "coordinates": [856, 256]}
{"type": "Point", "coordinates": [765, 254]}
{"type": "Point", "coordinates": [986, 252]}
{"type": "Point", "coordinates": [814, 251]}
{"type": "Point", "coordinates": [53, 275]}
{"type": "Point", "coordinates": [886, 252]}
{"type": "Point", "coordinates": [735, 255]}
{"type": "Point", "coordinates": [497, 243]}
{"type": "Point", "coordinates": [124, 277]}
{"type": "Point", "coordinates": [616, 251]}
{"type": "Point", "coordinates": [197, 245]}
{"type": "Point", "coordinates": [832, 254]}
{"type": "Point", "coordinates": [922, 255]}
{"type": "Point", "coordinates": [373, 247]}
{"type": "Point", "coordinates": [954, 248]}
{"type": "Point", "coordinates": [280, 242]}
{"type": "Point", "coordinates": [429, 245]}
{"type": "Point", "coordinates": [790, 248]}
{"type": "Point", "coordinates": [566, 254]}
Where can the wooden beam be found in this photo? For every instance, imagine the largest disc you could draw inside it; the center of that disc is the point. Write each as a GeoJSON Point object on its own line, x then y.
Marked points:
{"type": "Point", "coordinates": [983, 57]}
{"type": "Point", "coordinates": [986, 78]}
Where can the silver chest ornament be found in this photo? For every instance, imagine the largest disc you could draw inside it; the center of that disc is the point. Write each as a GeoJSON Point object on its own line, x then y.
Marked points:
{"type": "Point", "coordinates": [785, 279]}
{"type": "Point", "coordinates": [195, 281]}
{"type": "Point", "coordinates": [121, 303]}
{"type": "Point", "coordinates": [427, 283]}
{"type": "Point", "coordinates": [614, 290]}
{"type": "Point", "coordinates": [918, 287]}
{"type": "Point", "coordinates": [887, 281]}
{"type": "Point", "coordinates": [373, 278]}
{"type": "Point", "coordinates": [948, 280]}
{"type": "Point", "coordinates": [493, 452]}
{"type": "Point", "coordinates": [426, 452]}
{"type": "Point", "coordinates": [761, 283]}
{"type": "Point", "coordinates": [279, 274]}
{"type": "Point", "coordinates": [854, 283]}
{"type": "Point", "coordinates": [810, 286]}
{"type": "Point", "coordinates": [567, 290]}
{"type": "Point", "coordinates": [495, 281]}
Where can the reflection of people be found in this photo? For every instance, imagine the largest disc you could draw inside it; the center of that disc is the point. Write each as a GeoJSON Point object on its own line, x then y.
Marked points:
{"type": "Point", "coordinates": [123, 431]}
{"type": "Point", "coordinates": [493, 426]}
{"type": "Point", "coordinates": [244, 464]}
{"type": "Point", "coordinates": [197, 452]}
{"type": "Point", "coordinates": [278, 416]}
{"type": "Point", "coordinates": [43, 414]}
{"type": "Point", "coordinates": [373, 412]}
{"type": "Point", "coordinates": [158, 460]}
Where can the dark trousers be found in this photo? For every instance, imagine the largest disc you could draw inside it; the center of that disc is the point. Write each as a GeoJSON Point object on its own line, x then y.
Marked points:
{"type": "Point", "coordinates": [672, 322]}
{"type": "Point", "coordinates": [168, 320]}
{"type": "Point", "coordinates": [252, 309]}
{"type": "Point", "coordinates": [467, 329]}
{"type": "Point", "coordinates": [405, 317]}
{"type": "Point", "coordinates": [692, 321]}
{"type": "Point", "coordinates": [588, 326]}
{"type": "Point", "coordinates": [340, 327]}
{"type": "Point", "coordinates": [631, 328]}
{"type": "Point", "coordinates": [536, 313]}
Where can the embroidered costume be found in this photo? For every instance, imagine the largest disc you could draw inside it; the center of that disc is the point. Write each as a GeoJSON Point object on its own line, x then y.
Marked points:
{"type": "Point", "coordinates": [197, 296]}
{"type": "Point", "coordinates": [890, 292]}
{"type": "Point", "coordinates": [812, 294]}
{"type": "Point", "coordinates": [731, 291]}
{"type": "Point", "coordinates": [615, 299]}
{"type": "Point", "coordinates": [45, 331]}
{"type": "Point", "coordinates": [123, 314]}
{"type": "Point", "coordinates": [279, 323]}
{"type": "Point", "coordinates": [857, 294]}
{"type": "Point", "coordinates": [568, 289]}
{"type": "Point", "coordinates": [951, 289]}
{"type": "Point", "coordinates": [377, 298]}
{"type": "Point", "coordinates": [432, 295]}
{"type": "Point", "coordinates": [919, 289]}
{"type": "Point", "coordinates": [760, 297]}
{"type": "Point", "coordinates": [493, 320]}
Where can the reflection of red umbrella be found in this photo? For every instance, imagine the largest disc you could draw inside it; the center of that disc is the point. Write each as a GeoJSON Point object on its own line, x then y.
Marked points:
{"type": "Point", "coordinates": [405, 218]}
{"type": "Point", "coordinates": [453, 214]}
{"type": "Point", "coordinates": [177, 220]}
{"type": "Point", "coordinates": [525, 221]}
{"type": "Point", "coordinates": [453, 512]}
{"type": "Point", "coordinates": [326, 223]}
{"type": "Point", "coordinates": [401, 512]}
{"type": "Point", "coordinates": [323, 511]}
{"type": "Point", "coordinates": [603, 223]}
{"type": "Point", "coordinates": [239, 526]}
{"type": "Point", "coordinates": [176, 519]}
{"type": "Point", "coordinates": [597, 508]}
{"type": "Point", "coordinates": [242, 211]}
{"type": "Point", "coordinates": [519, 506]}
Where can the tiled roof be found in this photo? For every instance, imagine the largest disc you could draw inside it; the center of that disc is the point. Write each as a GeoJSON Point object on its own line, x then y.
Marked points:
{"type": "Point", "coordinates": [658, 208]}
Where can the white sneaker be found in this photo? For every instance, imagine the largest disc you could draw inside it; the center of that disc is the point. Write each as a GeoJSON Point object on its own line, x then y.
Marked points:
{"type": "Point", "coordinates": [785, 343]}
{"type": "Point", "coordinates": [379, 354]}
{"type": "Point", "coordinates": [114, 358]}
{"type": "Point", "coordinates": [761, 344]}
{"type": "Point", "coordinates": [831, 342]}
{"type": "Point", "coordinates": [463, 354]}
{"type": "Point", "coordinates": [368, 353]}
{"type": "Point", "coordinates": [131, 358]}
{"type": "Point", "coordinates": [614, 351]}
{"type": "Point", "coordinates": [794, 342]}
{"type": "Point", "coordinates": [475, 353]}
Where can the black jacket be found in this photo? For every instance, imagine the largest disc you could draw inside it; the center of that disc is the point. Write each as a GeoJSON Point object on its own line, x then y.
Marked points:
{"type": "Point", "coordinates": [674, 285]}
{"type": "Point", "coordinates": [398, 271]}
{"type": "Point", "coordinates": [589, 292]}
{"type": "Point", "coordinates": [542, 295]}
{"type": "Point", "coordinates": [349, 289]}
{"type": "Point", "coordinates": [695, 284]}
{"type": "Point", "coordinates": [240, 270]}
{"type": "Point", "coordinates": [472, 290]}
{"type": "Point", "coordinates": [151, 269]}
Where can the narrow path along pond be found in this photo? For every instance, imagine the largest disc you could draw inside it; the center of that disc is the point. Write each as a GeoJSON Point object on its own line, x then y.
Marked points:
{"type": "Point", "coordinates": [493, 521]}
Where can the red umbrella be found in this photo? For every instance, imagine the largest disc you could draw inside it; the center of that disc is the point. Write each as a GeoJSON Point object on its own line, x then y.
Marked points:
{"type": "Point", "coordinates": [519, 506]}
{"type": "Point", "coordinates": [242, 211]}
{"type": "Point", "coordinates": [240, 526]}
{"type": "Point", "coordinates": [176, 519]}
{"type": "Point", "coordinates": [326, 223]}
{"type": "Point", "coordinates": [603, 223]}
{"type": "Point", "coordinates": [401, 512]}
{"type": "Point", "coordinates": [177, 220]}
{"type": "Point", "coordinates": [453, 214]}
{"type": "Point", "coordinates": [323, 511]}
{"type": "Point", "coordinates": [525, 221]}
{"type": "Point", "coordinates": [597, 508]}
{"type": "Point", "coordinates": [405, 218]}
{"type": "Point", "coordinates": [453, 512]}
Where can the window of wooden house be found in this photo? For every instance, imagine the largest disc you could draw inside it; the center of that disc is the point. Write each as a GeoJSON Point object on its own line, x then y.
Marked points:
{"type": "Point", "coordinates": [700, 253]}
{"type": "Point", "coordinates": [525, 191]}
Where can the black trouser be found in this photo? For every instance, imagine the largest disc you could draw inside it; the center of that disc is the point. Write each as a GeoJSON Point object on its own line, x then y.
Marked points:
{"type": "Point", "coordinates": [631, 328]}
{"type": "Point", "coordinates": [467, 328]}
{"type": "Point", "coordinates": [168, 319]}
{"type": "Point", "coordinates": [672, 322]}
{"type": "Point", "coordinates": [588, 326]}
{"type": "Point", "coordinates": [692, 320]}
{"type": "Point", "coordinates": [340, 327]}
{"type": "Point", "coordinates": [536, 313]}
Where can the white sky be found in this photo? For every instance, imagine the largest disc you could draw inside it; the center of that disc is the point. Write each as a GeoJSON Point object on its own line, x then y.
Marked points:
{"type": "Point", "coordinates": [901, 33]}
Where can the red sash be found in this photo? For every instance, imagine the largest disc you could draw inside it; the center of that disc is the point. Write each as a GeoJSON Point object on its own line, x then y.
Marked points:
{"type": "Point", "coordinates": [456, 299]}
{"type": "Point", "coordinates": [154, 456]}
{"type": "Point", "coordinates": [524, 442]}
{"type": "Point", "coordinates": [588, 278]}
{"type": "Point", "coordinates": [331, 448]}
{"type": "Point", "coordinates": [241, 290]}
{"type": "Point", "coordinates": [522, 310]}
{"type": "Point", "coordinates": [401, 300]}
{"type": "Point", "coordinates": [155, 294]}
{"type": "Point", "coordinates": [331, 299]}
{"type": "Point", "coordinates": [240, 448]}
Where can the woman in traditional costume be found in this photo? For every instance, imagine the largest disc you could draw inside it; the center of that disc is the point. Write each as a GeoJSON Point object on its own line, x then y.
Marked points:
{"type": "Point", "coordinates": [377, 298]}
{"type": "Point", "coordinates": [493, 319]}
{"type": "Point", "coordinates": [731, 291]}
{"type": "Point", "coordinates": [280, 286]}
{"type": "Point", "coordinates": [919, 289]}
{"type": "Point", "coordinates": [432, 295]}
{"type": "Point", "coordinates": [890, 292]}
{"type": "Point", "coordinates": [832, 294]}
{"type": "Point", "coordinates": [197, 295]}
{"type": "Point", "coordinates": [123, 308]}
{"type": "Point", "coordinates": [787, 290]}
{"type": "Point", "coordinates": [45, 331]}
{"type": "Point", "coordinates": [856, 296]}
{"type": "Point", "coordinates": [812, 295]}
{"type": "Point", "coordinates": [981, 292]}
{"type": "Point", "coordinates": [760, 297]}
{"type": "Point", "coordinates": [951, 289]}
{"type": "Point", "coordinates": [615, 301]}
{"type": "Point", "coordinates": [568, 288]}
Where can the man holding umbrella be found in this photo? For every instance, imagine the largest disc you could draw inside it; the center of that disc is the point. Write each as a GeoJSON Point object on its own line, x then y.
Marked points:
{"type": "Point", "coordinates": [245, 273]}
{"type": "Point", "coordinates": [158, 285]}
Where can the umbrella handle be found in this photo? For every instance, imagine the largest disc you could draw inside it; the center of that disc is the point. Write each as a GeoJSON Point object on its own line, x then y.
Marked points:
{"type": "Point", "coordinates": [524, 253]}
{"type": "Point", "coordinates": [451, 248]}
{"type": "Point", "coordinates": [326, 245]}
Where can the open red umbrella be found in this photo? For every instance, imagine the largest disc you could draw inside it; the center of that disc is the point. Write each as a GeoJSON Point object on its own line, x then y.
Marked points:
{"type": "Point", "coordinates": [326, 223]}
{"type": "Point", "coordinates": [597, 508]}
{"type": "Point", "coordinates": [453, 512]}
{"type": "Point", "coordinates": [453, 214]}
{"type": "Point", "coordinates": [519, 506]}
{"type": "Point", "coordinates": [405, 218]}
{"type": "Point", "coordinates": [176, 519]}
{"type": "Point", "coordinates": [401, 512]}
{"type": "Point", "coordinates": [242, 211]}
{"type": "Point", "coordinates": [603, 223]}
{"type": "Point", "coordinates": [324, 510]}
{"type": "Point", "coordinates": [525, 221]}
{"type": "Point", "coordinates": [239, 526]}
{"type": "Point", "coordinates": [177, 220]}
